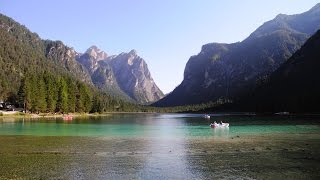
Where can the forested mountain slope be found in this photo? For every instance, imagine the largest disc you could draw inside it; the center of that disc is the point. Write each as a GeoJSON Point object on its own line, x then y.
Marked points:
{"type": "Point", "coordinates": [44, 76]}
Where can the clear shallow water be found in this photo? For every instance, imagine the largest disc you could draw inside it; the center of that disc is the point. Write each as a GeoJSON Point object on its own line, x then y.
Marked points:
{"type": "Point", "coordinates": [157, 126]}
{"type": "Point", "coordinates": [160, 146]}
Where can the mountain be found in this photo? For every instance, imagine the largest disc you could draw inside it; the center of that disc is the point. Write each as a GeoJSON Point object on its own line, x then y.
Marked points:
{"type": "Point", "coordinates": [91, 57]}
{"type": "Point", "coordinates": [294, 86]}
{"type": "Point", "coordinates": [223, 72]}
{"type": "Point", "coordinates": [25, 52]}
{"type": "Point", "coordinates": [125, 75]}
{"type": "Point", "coordinates": [101, 73]}
{"type": "Point", "coordinates": [48, 76]}
{"type": "Point", "coordinates": [134, 78]}
{"type": "Point", "coordinates": [52, 54]}
{"type": "Point", "coordinates": [65, 57]}
{"type": "Point", "coordinates": [44, 76]}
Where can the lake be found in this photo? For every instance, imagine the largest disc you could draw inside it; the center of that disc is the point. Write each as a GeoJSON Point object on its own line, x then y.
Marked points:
{"type": "Point", "coordinates": [160, 146]}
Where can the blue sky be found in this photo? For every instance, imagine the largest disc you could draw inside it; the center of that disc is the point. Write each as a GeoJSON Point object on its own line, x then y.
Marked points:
{"type": "Point", "coordinates": [164, 32]}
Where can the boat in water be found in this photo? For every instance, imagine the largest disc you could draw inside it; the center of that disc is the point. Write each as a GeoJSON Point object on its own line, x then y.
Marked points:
{"type": "Point", "coordinates": [67, 117]}
{"type": "Point", "coordinates": [207, 116]}
{"type": "Point", "coordinates": [219, 125]}
{"type": "Point", "coordinates": [282, 113]}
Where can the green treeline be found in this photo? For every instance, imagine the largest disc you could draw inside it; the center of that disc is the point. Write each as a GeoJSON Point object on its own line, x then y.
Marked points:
{"type": "Point", "coordinates": [45, 92]}
{"type": "Point", "coordinates": [49, 93]}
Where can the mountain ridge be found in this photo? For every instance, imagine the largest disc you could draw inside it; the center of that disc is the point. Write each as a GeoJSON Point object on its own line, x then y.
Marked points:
{"type": "Point", "coordinates": [225, 71]}
{"type": "Point", "coordinates": [55, 56]}
{"type": "Point", "coordinates": [125, 75]}
{"type": "Point", "coordinates": [293, 87]}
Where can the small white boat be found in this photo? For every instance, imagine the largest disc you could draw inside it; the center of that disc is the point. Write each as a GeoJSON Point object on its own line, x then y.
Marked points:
{"type": "Point", "coordinates": [217, 125]}
{"type": "Point", "coordinates": [207, 116]}
{"type": "Point", "coordinates": [282, 113]}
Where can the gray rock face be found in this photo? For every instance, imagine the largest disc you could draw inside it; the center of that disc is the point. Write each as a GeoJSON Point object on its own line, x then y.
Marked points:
{"type": "Point", "coordinates": [65, 57]}
{"type": "Point", "coordinates": [225, 71]}
{"type": "Point", "coordinates": [96, 53]}
{"type": "Point", "coordinates": [125, 75]}
{"type": "Point", "coordinates": [134, 78]}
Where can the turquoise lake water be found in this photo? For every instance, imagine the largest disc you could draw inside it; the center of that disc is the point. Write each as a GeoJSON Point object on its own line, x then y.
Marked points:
{"type": "Point", "coordinates": [157, 125]}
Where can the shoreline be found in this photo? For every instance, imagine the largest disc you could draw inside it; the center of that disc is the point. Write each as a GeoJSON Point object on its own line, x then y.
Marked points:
{"type": "Point", "coordinates": [18, 114]}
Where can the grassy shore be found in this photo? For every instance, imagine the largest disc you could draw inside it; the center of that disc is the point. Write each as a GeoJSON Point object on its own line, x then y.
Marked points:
{"type": "Point", "coordinates": [14, 114]}
{"type": "Point", "coordinates": [17, 114]}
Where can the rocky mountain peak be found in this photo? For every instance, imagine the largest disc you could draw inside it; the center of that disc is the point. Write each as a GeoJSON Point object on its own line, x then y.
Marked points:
{"type": "Point", "coordinates": [129, 58]}
{"type": "Point", "coordinates": [124, 74]}
{"type": "Point", "coordinates": [133, 52]}
{"type": "Point", "coordinates": [315, 8]}
{"type": "Point", "coordinates": [281, 17]}
{"type": "Point", "coordinates": [134, 78]}
{"type": "Point", "coordinates": [93, 48]}
{"type": "Point", "coordinates": [306, 23]}
{"type": "Point", "coordinates": [96, 53]}
{"type": "Point", "coordinates": [72, 53]}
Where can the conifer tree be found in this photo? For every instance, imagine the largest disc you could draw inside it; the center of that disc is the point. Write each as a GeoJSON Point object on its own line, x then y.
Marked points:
{"type": "Point", "coordinates": [52, 92]}
{"type": "Point", "coordinates": [41, 94]}
{"type": "Point", "coordinates": [62, 104]}
{"type": "Point", "coordinates": [22, 95]}
{"type": "Point", "coordinates": [71, 95]}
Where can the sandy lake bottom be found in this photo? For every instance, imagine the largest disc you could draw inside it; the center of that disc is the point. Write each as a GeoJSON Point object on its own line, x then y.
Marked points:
{"type": "Point", "coordinates": [185, 149]}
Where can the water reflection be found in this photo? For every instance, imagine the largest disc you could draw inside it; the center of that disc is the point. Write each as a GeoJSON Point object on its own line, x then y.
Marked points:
{"type": "Point", "coordinates": [8, 120]}
{"type": "Point", "coordinates": [167, 150]}
{"type": "Point", "coordinates": [222, 132]}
